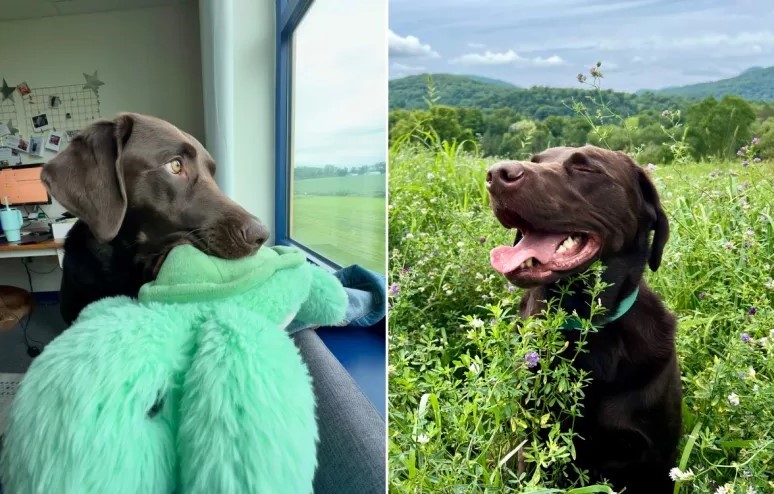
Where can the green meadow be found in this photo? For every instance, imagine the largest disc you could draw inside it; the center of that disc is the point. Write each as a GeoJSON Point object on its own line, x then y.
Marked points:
{"type": "Point", "coordinates": [342, 218]}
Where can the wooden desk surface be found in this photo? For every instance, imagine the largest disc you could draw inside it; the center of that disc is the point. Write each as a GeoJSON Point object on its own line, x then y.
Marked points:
{"type": "Point", "coordinates": [45, 245]}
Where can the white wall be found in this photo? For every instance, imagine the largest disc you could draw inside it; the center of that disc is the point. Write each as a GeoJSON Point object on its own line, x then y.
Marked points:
{"type": "Point", "coordinates": [238, 52]}
{"type": "Point", "coordinates": [149, 60]}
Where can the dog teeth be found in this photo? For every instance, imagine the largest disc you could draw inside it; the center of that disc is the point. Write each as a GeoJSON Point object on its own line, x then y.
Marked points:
{"type": "Point", "coordinates": [568, 243]}
{"type": "Point", "coordinates": [527, 264]}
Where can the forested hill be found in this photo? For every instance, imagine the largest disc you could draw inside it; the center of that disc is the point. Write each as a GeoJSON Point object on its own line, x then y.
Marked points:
{"type": "Point", "coordinates": [755, 84]}
{"type": "Point", "coordinates": [535, 102]}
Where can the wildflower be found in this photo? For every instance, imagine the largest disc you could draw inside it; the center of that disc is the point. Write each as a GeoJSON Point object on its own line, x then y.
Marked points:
{"type": "Point", "coordinates": [511, 288]}
{"type": "Point", "coordinates": [581, 78]}
{"type": "Point", "coordinates": [665, 113]}
{"type": "Point", "coordinates": [729, 245]}
{"type": "Point", "coordinates": [423, 439]}
{"type": "Point", "coordinates": [405, 270]}
{"type": "Point", "coordinates": [725, 489]}
{"type": "Point", "coordinates": [746, 337]}
{"type": "Point", "coordinates": [430, 176]}
{"type": "Point", "coordinates": [750, 490]}
{"type": "Point", "coordinates": [733, 399]}
{"type": "Point", "coordinates": [409, 236]}
{"type": "Point", "coordinates": [532, 359]}
{"type": "Point", "coordinates": [751, 373]}
{"type": "Point", "coordinates": [745, 163]}
{"type": "Point", "coordinates": [756, 160]}
{"type": "Point", "coordinates": [651, 167]}
{"type": "Point", "coordinates": [595, 72]}
{"type": "Point", "coordinates": [481, 240]}
{"type": "Point", "coordinates": [394, 289]}
{"type": "Point", "coordinates": [749, 232]}
{"type": "Point", "coordinates": [474, 368]}
{"type": "Point", "coordinates": [460, 244]}
{"type": "Point", "coordinates": [756, 388]}
{"type": "Point", "coordinates": [747, 245]}
{"type": "Point", "coordinates": [739, 153]}
{"type": "Point", "coordinates": [476, 323]}
{"type": "Point", "coordinates": [755, 141]}
{"type": "Point", "coordinates": [752, 311]}
{"type": "Point", "coordinates": [449, 292]}
{"type": "Point", "coordinates": [702, 295]}
{"type": "Point", "coordinates": [678, 475]}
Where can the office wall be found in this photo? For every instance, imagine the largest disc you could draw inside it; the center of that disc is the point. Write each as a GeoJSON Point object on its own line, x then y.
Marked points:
{"type": "Point", "coordinates": [149, 60]}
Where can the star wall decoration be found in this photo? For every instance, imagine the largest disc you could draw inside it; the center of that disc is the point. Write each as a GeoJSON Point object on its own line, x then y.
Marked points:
{"type": "Point", "coordinates": [7, 91]}
{"type": "Point", "coordinates": [13, 129]}
{"type": "Point", "coordinates": [92, 82]}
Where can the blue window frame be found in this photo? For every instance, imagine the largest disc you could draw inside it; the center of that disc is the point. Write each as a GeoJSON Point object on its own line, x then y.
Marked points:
{"type": "Point", "coordinates": [331, 198]}
{"type": "Point", "coordinates": [289, 14]}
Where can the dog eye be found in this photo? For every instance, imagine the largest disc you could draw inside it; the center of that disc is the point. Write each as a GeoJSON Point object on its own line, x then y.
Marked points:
{"type": "Point", "coordinates": [584, 169]}
{"type": "Point", "coordinates": [174, 167]}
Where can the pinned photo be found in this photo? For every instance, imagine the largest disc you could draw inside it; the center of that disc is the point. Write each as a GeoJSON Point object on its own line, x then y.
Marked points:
{"type": "Point", "coordinates": [18, 143]}
{"type": "Point", "coordinates": [24, 89]}
{"type": "Point", "coordinates": [54, 141]}
{"type": "Point", "coordinates": [36, 146]}
{"type": "Point", "coordinates": [40, 122]}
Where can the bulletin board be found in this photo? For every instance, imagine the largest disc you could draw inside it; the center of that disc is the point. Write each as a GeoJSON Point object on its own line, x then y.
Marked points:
{"type": "Point", "coordinates": [8, 113]}
{"type": "Point", "coordinates": [70, 107]}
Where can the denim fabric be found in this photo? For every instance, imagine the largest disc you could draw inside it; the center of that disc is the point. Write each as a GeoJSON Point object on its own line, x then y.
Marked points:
{"type": "Point", "coordinates": [367, 293]}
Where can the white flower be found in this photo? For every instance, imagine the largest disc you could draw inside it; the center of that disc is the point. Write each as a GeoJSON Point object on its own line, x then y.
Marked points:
{"type": "Point", "coordinates": [725, 489]}
{"type": "Point", "coordinates": [430, 176]}
{"type": "Point", "coordinates": [750, 490]}
{"type": "Point", "coordinates": [474, 368]}
{"type": "Point", "coordinates": [476, 323]}
{"type": "Point", "coordinates": [460, 244]}
{"type": "Point", "coordinates": [423, 439]}
{"type": "Point", "coordinates": [733, 399]}
{"type": "Point", "coordinates": [756, 389]}
{"type": "Point", "coordinates": [449, 292]}
{"type": "Point", "coordinates": [678, 475]}
{"type": "Point", "coordinates": [751, 373]}
{"type": "Point", "coordinates": [409, 236]}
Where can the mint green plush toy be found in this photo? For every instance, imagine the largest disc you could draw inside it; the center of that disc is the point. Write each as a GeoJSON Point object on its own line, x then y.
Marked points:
{"type": "Point", "coordinates": [195, 388]}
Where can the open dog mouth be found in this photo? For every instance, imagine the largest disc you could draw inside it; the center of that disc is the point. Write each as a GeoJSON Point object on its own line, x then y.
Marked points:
{"type": "Point", "coordinates": [541, 257]}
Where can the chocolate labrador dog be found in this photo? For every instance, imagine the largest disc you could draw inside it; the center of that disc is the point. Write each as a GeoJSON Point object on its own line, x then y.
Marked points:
{"type": "Point", "coordinates": [572, 207]}
{"type": "Point", "coordinates": [139, 186]}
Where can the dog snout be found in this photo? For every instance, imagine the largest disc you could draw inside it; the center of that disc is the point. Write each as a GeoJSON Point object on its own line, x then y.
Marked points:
{"type": "Point", "coordinates": [254, 233]}
{"type": "Point", "coordinates": [506, 176]}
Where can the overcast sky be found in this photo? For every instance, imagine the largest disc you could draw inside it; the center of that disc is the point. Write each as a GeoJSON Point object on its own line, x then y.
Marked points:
{"type": "Point", "coordinates": [340, 100]}
{"type": "Point", "coordinates": [642, 43]}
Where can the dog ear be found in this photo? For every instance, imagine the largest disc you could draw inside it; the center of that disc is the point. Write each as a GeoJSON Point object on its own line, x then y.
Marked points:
{"type": "Point", "coordinates": [659, 221]}
{"type": "Point", "coordinates": [87, 178]}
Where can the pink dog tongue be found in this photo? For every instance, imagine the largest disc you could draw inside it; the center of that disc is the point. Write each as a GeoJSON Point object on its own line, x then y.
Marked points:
{"type": "Point", "coordinates": [538, 245]}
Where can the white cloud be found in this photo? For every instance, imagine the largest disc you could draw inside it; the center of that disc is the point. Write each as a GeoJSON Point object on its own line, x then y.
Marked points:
{"type": "Point", "coordinates": [408, 47]}
{"type": "Point", "coordinates": [509, 57]}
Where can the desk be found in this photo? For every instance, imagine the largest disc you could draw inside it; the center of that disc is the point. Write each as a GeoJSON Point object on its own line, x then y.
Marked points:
{"type": "Point", "coordinates": [46, 248]}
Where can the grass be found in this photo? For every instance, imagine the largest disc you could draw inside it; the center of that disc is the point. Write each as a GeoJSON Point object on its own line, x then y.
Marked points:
{"type": "Point", "coordinates": [458, 378]}
{"type": "Point", "coordinates": [342, 218]}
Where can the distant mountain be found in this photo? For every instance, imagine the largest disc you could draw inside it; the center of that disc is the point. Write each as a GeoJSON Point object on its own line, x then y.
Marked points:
{"type": "Point", "coordinates": [754, 84]}
{"type": "Point", "coordinates": [489, 80]}
{"type": "Point", "coordinates": [535, 102]}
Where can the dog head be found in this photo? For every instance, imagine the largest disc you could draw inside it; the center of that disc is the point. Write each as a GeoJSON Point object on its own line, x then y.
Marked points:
{"type": "Point", "coordinates": [572, 206]}
{"type": "Point", "coordinates": [142, 169]}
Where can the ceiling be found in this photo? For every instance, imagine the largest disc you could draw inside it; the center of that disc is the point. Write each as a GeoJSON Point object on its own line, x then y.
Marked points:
{"type": "Point", "coordinates": [11, 10]}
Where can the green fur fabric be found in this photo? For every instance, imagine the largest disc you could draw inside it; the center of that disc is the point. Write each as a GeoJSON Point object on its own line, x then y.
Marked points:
{"type": "Point", "coordinates": [195, 388]}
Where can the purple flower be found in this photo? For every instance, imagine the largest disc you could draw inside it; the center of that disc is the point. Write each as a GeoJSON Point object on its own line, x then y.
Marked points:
{"type": "Point", "coordinates": [394, 289]}
{"type": "Point", "coordinates": [755, 141]}
{"type": "Point", "coordinates": [532, 359]}
{"type": "Point", "coordinates": [747, 245]}
{"type": "Point", "coordinates": [511, 288]}
{"type": "Point", "coordinates": [739, 153]}
{"type": "Point", "coordinates": [482, 240]}
{"type": "Point", "coordinates": [752, 311]}
{"type": "Point", "coordinates": [702, 295]}
{"type": "Point", "coordinates": [745, 163]}
{"type": "Point", "coordinates": [581, 78]}
{"type": "Point", "coordinates": [745, 337]}
{"type": "Point", "coordinates": [756, 160]}
{"type": "Point", "coordinates": [405, 270]}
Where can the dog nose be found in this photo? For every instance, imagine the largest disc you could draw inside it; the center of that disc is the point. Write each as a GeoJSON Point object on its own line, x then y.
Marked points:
{"type": "Point", "coordinates": [254, 233]}
{"type": "Point", "coordinates": [506, 175]}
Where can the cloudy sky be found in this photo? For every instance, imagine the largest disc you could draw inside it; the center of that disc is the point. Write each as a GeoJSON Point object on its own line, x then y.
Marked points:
{"type": "Point", "coordinates": [340, 93]}
{"type": "Point", "coordinates": [642, 43]}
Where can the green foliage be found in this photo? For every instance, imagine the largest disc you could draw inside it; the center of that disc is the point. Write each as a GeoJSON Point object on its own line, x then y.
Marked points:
{"type": "Point", "coordinates": [719, 128]}
{"type": "Point", "coordinates": [755, 84]}
{"type": "Point", "coordinates": [463, 407]}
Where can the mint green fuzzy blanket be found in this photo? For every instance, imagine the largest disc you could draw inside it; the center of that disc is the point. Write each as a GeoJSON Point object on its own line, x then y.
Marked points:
{"type": "Point", "coordinates": [195, 388]}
